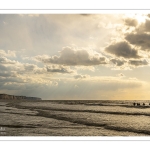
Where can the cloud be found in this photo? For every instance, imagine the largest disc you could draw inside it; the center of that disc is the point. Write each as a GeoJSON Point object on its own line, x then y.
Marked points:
{"type": "Point", "coordinates": [138, 62]}
{"type": "Point", "coordinates": [7, 71]}
{"type": "Point", "coordinates": [85, 68]}
{"type": "Point", "coordinates": [90, 88]}
{"type": "Point", "coordinates": [141, 36]}
{"type": "Point", "coordinates": [8, 53]}
{"type": "Point", "coordinates": [10, 68]}
{"type": "Point", "coordinates": [144, 27]}
{"type": "Point", "coordinates": [11, 79]}
{"type": "Point", "coordinates": [47, 69]}
{"type": "Point", "coordinates": [29, 67]}
{"type": "Point", "coordinates": [4, 67]}
{"type": "Point", "coordinates": [8, 74]}
{"type": "Point", "coordinates": [85, 15]}
{"type": "Point", "coordinates": [32, 68]}
{"type": "Point", "coordinates": [4, 60]}
{"type": "Point", "coordinates": [147, 26]}
{"type": "Point", "coordinates": [122, 49]}
{"type": "Point", "coordinates": [117, 62]}
{"type": "Point", "coordinates": [79, 76]}
{"type": "Point", "coordinates": [59, 69]}
{"type": "Point", "coordinates": [46, 34]}
{"type": "Point", "coordinates": [131, 22]}
{"type": "Point", "coordinates": [94, 88]}
{"type": "Point", "coordinates": [71, 57]}
{"type": "Point", "coordinates": [21, 68]}
{"type": "Point", "coordinates": [30, 15]}
{"type": "Point", "coordinates": [139, 39]}
{"type": "Point", "coordinates": [121, 75]}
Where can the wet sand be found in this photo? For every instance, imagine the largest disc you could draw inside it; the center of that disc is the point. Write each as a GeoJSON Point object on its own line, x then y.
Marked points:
{"type": "Point", "coordinates": [71, 118]}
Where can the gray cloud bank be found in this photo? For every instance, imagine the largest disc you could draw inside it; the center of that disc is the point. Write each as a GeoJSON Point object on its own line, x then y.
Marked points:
{"type": "Point", "coordinates": [138, 62]}
{"type": "Point", "coordinates": [131, 22]}
{"type": "Point", "coordinates": [141, 36]}
{"type": "Point", "coordinates": [59, 69]}
{"type": "Point", "coordinates": [122, 49]}
{"type": "Point", "coordinates": [71, 57]}
{"type": "Point", "coordinates": [139, 39]}
{"type": "Point", "coordinates": [117, 62]}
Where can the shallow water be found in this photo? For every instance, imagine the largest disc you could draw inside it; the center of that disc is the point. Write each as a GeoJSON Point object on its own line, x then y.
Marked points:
{"type": "Point", "coordinates": [74, 118]}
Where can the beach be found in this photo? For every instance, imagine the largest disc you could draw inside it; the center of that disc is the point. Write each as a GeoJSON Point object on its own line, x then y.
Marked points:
{"type": "Point", "coordinates": [73, 118]}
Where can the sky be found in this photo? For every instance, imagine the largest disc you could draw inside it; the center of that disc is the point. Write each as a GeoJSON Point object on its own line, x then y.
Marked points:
{"type": "Point", "coordinates": [75, 56]}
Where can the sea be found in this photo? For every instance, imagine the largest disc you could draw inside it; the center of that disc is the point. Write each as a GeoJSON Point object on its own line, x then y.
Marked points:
{"type": "Point", "coordinates": [74, 118]}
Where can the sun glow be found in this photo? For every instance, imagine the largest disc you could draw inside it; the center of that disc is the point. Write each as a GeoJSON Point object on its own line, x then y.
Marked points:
{"type": "Point", "coordinates": [139, 17]}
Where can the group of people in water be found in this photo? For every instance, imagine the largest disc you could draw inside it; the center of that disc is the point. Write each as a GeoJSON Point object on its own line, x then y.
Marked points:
{"type": "Point", "coordinates": [138, 104]}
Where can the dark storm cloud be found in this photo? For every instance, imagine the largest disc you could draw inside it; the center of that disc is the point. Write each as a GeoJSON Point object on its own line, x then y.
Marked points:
{"type": "Point", "coordinates": [139, 39]}
{"type": "Point", "coordinates": [138, 62]}
{"type": "Point", "coordinates": [131, 22]}
{"type": "Point", "coordinates": [122, 49]}
{"type": "Point", "coordinates": [117, 62]}
{"type": "Point", "coordinates": [71, 57]}
{"type": "Point", "coordinates": [58, 69]}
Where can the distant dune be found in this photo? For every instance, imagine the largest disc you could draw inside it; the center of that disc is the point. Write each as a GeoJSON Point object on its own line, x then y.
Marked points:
{"type": "Point", "coordinates": [14, 97]}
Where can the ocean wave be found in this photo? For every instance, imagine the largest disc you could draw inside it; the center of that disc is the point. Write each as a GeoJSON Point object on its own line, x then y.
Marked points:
{"type": "Point", "coordinates": [95, 124]}
{"type": "Point", "coordinates": [79, 110]}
